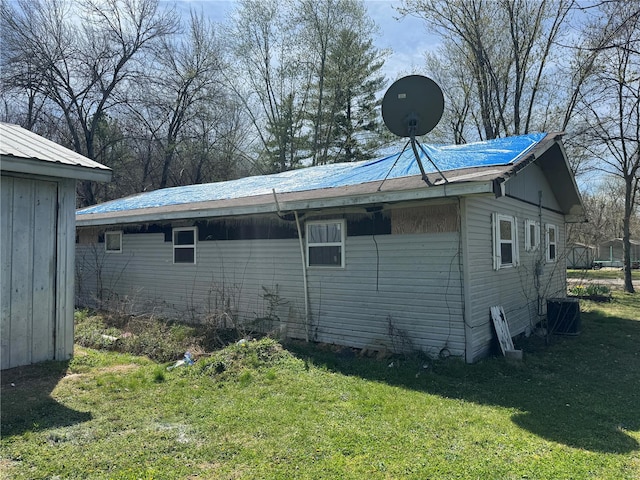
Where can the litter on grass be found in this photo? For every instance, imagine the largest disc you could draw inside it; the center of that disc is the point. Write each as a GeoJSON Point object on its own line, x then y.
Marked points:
{"type": "Point", "coordinates": [187, 360]}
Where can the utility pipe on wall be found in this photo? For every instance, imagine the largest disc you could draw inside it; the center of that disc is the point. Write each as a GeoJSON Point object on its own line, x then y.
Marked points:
{"type": "Point", "coordinates": [304, 277]}
{"type": "Point", "coordinates": [304, 266]}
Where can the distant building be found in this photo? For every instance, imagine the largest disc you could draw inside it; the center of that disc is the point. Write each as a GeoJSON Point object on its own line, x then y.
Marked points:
{"type": "Point", "coordinates": [580, 256]}
{"type": "Point", "coordinates": [609, 253]}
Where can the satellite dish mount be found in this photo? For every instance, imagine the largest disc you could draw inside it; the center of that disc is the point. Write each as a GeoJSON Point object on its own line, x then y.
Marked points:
{"type": "Point", "coordinates": [411, 107]}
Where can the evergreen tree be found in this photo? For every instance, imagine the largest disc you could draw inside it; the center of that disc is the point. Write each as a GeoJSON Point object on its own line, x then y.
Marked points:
{"type": "Point", "coordinates": [354, 82]}
{"type": "Point", "coordinates": [338, 37]}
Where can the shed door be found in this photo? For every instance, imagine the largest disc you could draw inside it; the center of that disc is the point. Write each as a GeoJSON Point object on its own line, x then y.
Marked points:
{"type": "Point", "coordinates": [28, 247]}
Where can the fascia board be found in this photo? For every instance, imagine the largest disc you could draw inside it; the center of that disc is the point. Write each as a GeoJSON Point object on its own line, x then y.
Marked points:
{"type": "Point", "coordinates": [439, 191]}
{"type": "Point", "coordinates": [49, 169]}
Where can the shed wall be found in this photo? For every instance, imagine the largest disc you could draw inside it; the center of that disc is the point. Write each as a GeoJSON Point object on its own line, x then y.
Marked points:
{"type": "Point", "coordinates": [579, 256]}
{"type": "Point", "coordinates": [36, 306]}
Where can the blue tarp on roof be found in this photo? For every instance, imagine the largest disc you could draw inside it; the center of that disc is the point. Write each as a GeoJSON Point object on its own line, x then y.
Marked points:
{"type": "Point", "coordinates": [502, 151]}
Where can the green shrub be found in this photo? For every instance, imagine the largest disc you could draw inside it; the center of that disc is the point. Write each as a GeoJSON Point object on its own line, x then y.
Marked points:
{"type": "Point", "coordinates": [597, 289]}
{"type": "Point", "coordinates": [91, 331]}
{"type": "Point", "coordinates": [590, 290]}
{"type": "Point", "coordinates": [144, 336]}
{"type": "Point", "coordinates": [236, 360]}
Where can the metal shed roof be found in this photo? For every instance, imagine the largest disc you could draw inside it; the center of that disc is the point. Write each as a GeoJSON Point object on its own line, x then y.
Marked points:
{"type": "Point", "coordinates": [26, 152]}
{"type": "Point", "coordinates": [475, 168]}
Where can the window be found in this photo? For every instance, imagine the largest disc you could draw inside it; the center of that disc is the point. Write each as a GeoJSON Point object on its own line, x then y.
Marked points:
{"type": "Point", "coordinates": [184, 245]}
{"type": "Point", "coordinates": [325, 243]}
{"type": "Point", "coordinates": [113, 242]}
{"type": "Point", "coordinates": [531, 235]}
{"type": "Point", "coordinates": [552, 242]}
{"type": "Point", "coordinates": [505, 238]}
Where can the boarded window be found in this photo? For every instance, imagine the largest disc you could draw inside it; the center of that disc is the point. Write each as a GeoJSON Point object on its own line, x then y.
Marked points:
{"type": "Point", "coordinates": [425, 219]}
{"type": "Point", "coordinates": [113, 242]}
{"type": "Point", "coordinates": [184, 245]}
{"type": "Point", "coordinates": [88, 236]}
{"type": "Point", "coordinates": [325, 243]}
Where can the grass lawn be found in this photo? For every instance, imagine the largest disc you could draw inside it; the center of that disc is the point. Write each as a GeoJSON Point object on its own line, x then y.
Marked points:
{"type": "Point", "coordinates": [569, 410]}
{"type": "Point", "coordinates": [602, 274]}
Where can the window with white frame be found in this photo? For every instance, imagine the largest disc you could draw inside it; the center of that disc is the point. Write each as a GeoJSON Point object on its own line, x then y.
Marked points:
{"type": "Point", "coordinates": [531, 235]}
{"type": "Point", "coordinates": [325, 243]}
{"type": "Point", "coordinates": [551, 236]}
{"type": "Point", "coordinates": [505, 241]}
{"type": "Point", "coordinates": [113, 242]}
{"type": "Point", "coordinates": [184, 245]}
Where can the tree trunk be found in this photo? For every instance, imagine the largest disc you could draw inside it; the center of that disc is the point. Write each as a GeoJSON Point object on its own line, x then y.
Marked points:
{"type": "Point", "coordinates": [626, 236]}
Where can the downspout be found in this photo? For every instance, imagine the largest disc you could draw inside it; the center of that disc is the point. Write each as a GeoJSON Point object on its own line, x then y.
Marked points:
{"type": "Point", "coordinates": [304, 267]}
{"type": "Point", "coordinates": [304, 277]}
{"type": "Point", "coordinates": [541, 256]}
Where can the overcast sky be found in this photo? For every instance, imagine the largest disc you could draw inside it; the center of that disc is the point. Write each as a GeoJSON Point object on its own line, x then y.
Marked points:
{"type": "Point", "coordinates": [406, 38]}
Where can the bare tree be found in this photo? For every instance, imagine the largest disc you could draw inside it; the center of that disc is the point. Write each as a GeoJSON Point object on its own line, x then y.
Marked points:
{"type": "Point", "coordinates": [84, 54]}
{"type": "Point", "coordinates": [611, 109]}
{"type": "Point", "coordinates": [604, 207]}
{"type": "Point", "coordinates": [183, 90]}
{"type": "Point", "coordinates": [271, 78]}
{"type": "Point", "coordinates": [504, 52]}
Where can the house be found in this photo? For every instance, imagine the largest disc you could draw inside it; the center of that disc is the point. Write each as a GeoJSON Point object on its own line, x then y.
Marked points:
{"type": "Point", "coordinates": [609, 253]}
{"type": "Point", "coordinates": [364, 254]}
{"type": "Point", "coordinates": [580, 256]}
{"type": "Point", "coordinates": [37, 245]}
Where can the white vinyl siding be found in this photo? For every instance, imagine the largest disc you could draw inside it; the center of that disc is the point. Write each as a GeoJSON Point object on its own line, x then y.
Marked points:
{"type": "Point", "coordinates": [411, 282]}
{"type": "Point", "coordinates": [512, 288]}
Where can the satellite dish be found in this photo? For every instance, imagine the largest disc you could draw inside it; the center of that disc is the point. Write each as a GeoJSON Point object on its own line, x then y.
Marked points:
{"type": "Point", "coordinates": [412, 106]}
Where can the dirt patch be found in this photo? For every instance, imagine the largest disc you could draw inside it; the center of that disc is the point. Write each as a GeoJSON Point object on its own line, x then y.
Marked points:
{"type": "Point", "coordinates": [38, 376]}
{"type": "Point", "coordinates": [123, 368]}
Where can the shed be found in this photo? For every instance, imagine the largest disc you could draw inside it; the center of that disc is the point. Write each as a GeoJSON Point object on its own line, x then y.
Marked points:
{"type": "Point", "coordinates": [37, 244]}
{"type": "Point", "coordinates": [363, 254]}
{"type": "Point", "coordinates": [580, 256]}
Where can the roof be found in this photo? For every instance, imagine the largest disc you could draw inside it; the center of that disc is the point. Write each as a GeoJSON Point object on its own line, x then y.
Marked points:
{"type": "Point", "coordinates": [469, 169]}
{"type": "Point", "coordinates": [619, 240]}
{"type": "Point", "coordinates": [23, 151]}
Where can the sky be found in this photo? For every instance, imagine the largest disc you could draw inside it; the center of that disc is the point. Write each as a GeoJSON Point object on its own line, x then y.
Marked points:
{"type": "Point", "coordinates": [406, 38]}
